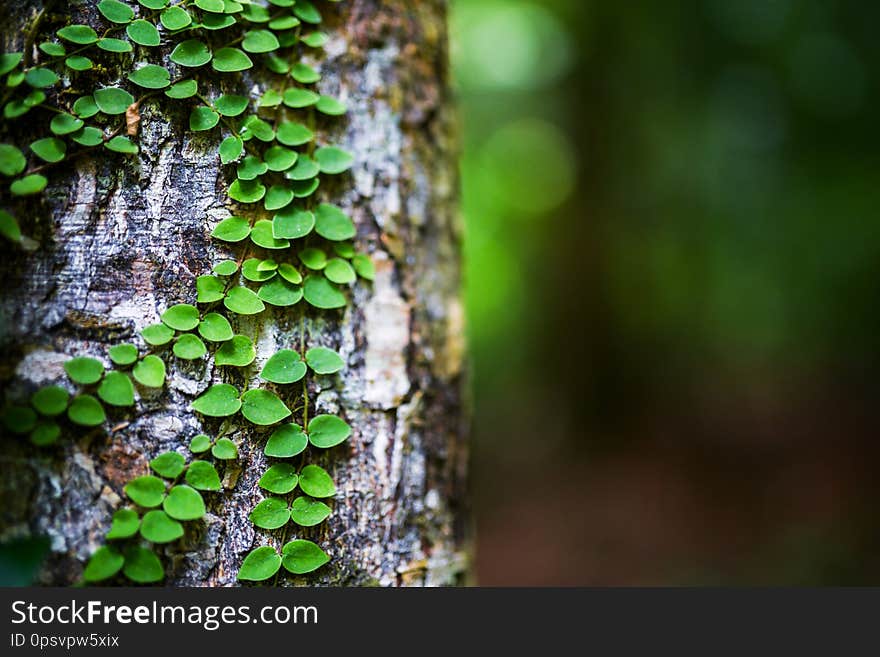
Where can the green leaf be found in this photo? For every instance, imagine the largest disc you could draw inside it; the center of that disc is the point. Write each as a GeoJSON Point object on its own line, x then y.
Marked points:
{"type": "Point", "coordinates": [81, 34]}
{"type": "Point", "coordinates": [117, 389]}
{"type": "Point", "coordinates": [49, 149]}
{"type": "Point", "coordinates": [315, 39]}
{"type": "Point", "coordinates": [220, 400]}
{"type": "Point", "coordinates": [225, 450]}
{"type": "Point", "coordinates": [215, 328]}
{"type": "Point", "coordinates": [251, 168]}
{"type": "Point", "coordinates": [243, 301]}
{"type": "Point", "coordinates": [364, 266]}
{"type": "Point", "coordinates": [189, 347]}
{"type": "Point", "coordinates": [151, 76]}
{"type": "Point", "coordinates": [255, 13]}
{"type": "Point", "coordinates": [307, 12]}
{"type": "Point", "coordinates": [324, 361]}
{"type": "Point", "coordinates": [263, 407]}
{"type": "Point", "coordinates": [272, 98]}
{"type": "Point", "coordinates": [64, 124]}
{"type": "Point", "coordinates": [197, 445]}
{"type": "Point", "coordinates": [184, 503]}
{"type": "Point", "coordinates": [29, 185]}
{"type": "Point", "coordinates": [247, 191]}
{"type": "Point", "coordinates": [332, 160]}
{"type": "Point", "coordinates": [304, 188]}
{"type": "Point", "coordinates": [263, 235]}
{"type": "Point", "coordinates": [215, 6]}
{"type": "Point", "coordinates": [85, 107]}
{"type": "Point", "coordinates": [300, 557]}
{"type": "Point", "coordinates": [279, 158]}
{"type": "Point", "coordinates": [19, 419]}
{"type": "Point", "coordinates": [157, 335]}
{"type": "Point", "coordinates": [271, 513]}
{"type": "Point", "coordinates": [142, 565]}
{"type": "Point", "coordinates": [285, 366]}
{"type": "Point", "coordinates": [230, 60]}
{"type": "Point", "coordinates": [9, 61]}
{"type": "Point", "coordinates": [120, 144]}
{"type": "Point", "coordinates": [283, 23]}
{"type": "Point", "coordinates": [289, 273]}
{"type": "Point", "coordinates": [304, 74]}
{"type": "Point", "coordinates": [286, 441]}
{"type": "Point", "coordinates": [331, 106]}
{"type": "Point", "coordinates": [89, 136]}
{"type": "Point", "coordinates": [202, 475]}
{"type": "Point", "coordinates": [327, 431]}
{"type": "Point", "coordinates": [50, 400]}
{"type": "Point", "coordinates": [209, 289]}
{"type": "Point", "coordinates": [79, 63]}
{"type": "Point", "coordinates": [52, 48]}
{"type": "Point", "coordinates": [45, 433]}
{"type": "Point", "coordinates": [181, 317]}
{"type": "Point", "coordinates": [113, 100]}
{"type": "Point", "coordinates": [84, 370]}
{"type": "Point", "coordinates": [259, 565]}
{"type": "Point", "coordinates": [316, 482]}
{"type": "Point", "coordinates": [313, 258]}
{"type": "Point", "coordinates": [114, 45]}
{"type": "Point", "coordinates": [232, 229]}
{"type": "Point", "coordinates": [191, 53]}
{"type": "Point", "coordinates": [231, 105]}
{"type": "Point", "coordinates": [231, 149]}
{"type": "Point", "coordinates": [154, 4]}
{"type": "Point", "coordinates": [279, 479]}
{"type": "Point", "coordinates": [104, 563]}
{"type": "Point", "coordinates": [259, 41]}
{"type": "Point", "coordinates": [226, 268]}
{"type": "Point", "coordinates": [294, 134]}
{"type": "Point", "coordinates": [12, 162]}
{"type": "Point", "coordinates": [125, 524]}
{"type": "Point", "coordinates": [333, 224]}
{"type": "Point", "coordinates": [267, 265]}
{"type": "Point", "coordinates": [298, 98]}
{"type": "Point", "coordinates": [175, 18]}
{"type": "Point", "coordinates": [253, 126]}
{"type": "Point", "coordinates": [339, 271]}
{"type": "Point", "coordinates": [123, 354]}
{"type": "Point", "coordinates": [216, 21]}
{"type": "Point", "coordinates": [307, 512]}
{"type": "Point", "coordinates": [158, 527]}
{"type": "Point", "coordinates": [343, 249]}
{"type": "Point", "coordinates": [237, 352]}
{"type": "Point", "coordinates": [305, 169]}
{"type": "Point", "coordinates": [168, 465]}
{"type": "Point", "coordinates": [144, 33]}
{"type": "Point", "coordinates": [203, 118]}
{"type": "Point", "coordinates": [150, 372]}
{"type": "Point", "coordinates": [279, 292]}
{"type": "Point", "coordinates": [9, 227]}
{"type": "Point", "coordinates": [251, 270]}
{"type": "Point", "coordinates": [115, 11]}
{"type": "Point", "coordinates": [147, 491]}
{"type": "Point", "coordinates": [321, 293]}
{"type": "Point", "coordinates": [185, 89]}
{"type": "Point", "coordinates": [278, 197]}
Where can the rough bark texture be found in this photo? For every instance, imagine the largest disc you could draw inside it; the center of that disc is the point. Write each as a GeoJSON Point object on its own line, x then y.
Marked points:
{"type": "Point", "coordinates": [118, 240]}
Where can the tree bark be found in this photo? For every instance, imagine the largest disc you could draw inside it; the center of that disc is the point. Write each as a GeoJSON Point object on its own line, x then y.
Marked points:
{"type": "Point", "coordinates": [116, 241]}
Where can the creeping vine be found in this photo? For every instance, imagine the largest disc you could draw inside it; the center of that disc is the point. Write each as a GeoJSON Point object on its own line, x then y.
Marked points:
{"type": "Point", "coordinates": [292, 251]}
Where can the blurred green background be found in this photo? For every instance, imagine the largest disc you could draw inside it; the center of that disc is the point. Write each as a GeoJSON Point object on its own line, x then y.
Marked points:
{"type": "Point", "coordinates": [673, 267]}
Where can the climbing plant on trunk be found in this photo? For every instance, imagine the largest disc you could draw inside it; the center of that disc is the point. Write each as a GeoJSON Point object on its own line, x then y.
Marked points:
{"type": "Point", "coordinates": [253, 292]}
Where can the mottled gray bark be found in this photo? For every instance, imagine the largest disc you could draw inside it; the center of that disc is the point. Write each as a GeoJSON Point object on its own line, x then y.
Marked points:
{"type": "Point", "coordinates": [118, 240]}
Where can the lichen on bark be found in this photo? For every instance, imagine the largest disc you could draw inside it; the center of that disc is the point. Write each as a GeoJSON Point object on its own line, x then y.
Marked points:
{"type": "Point", "coordinates": [116, 241]}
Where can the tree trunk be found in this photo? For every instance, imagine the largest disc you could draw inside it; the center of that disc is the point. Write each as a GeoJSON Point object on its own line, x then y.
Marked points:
{"type": "Point", "coordinates": [118, 240]}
